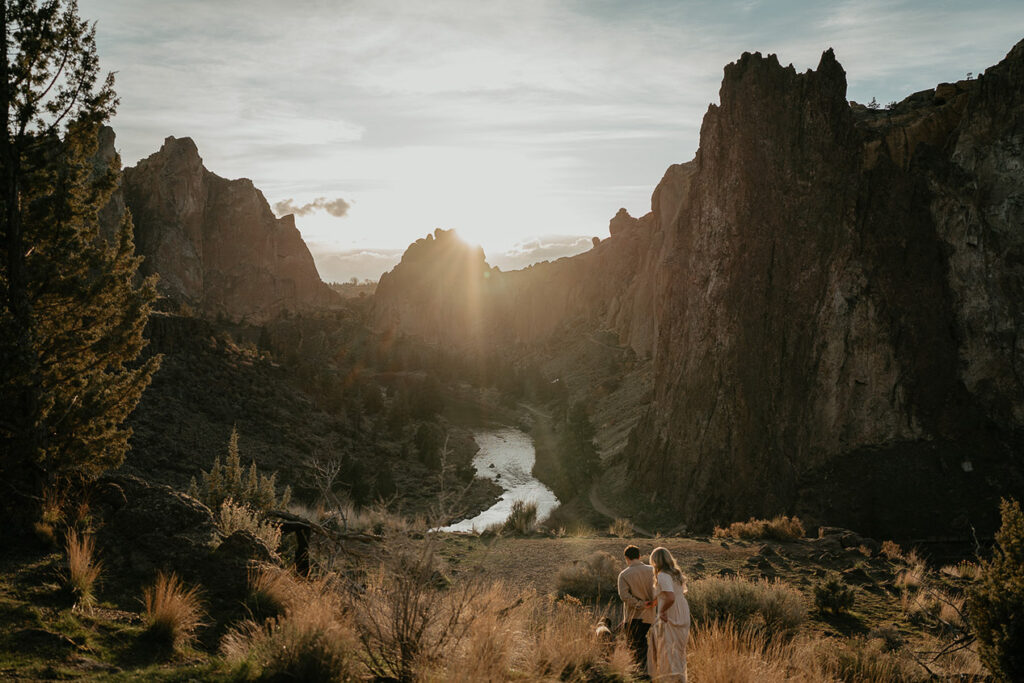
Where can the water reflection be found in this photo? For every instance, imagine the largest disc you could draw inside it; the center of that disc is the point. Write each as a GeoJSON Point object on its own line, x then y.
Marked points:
{"type": "Point", "coordinates": [506, 456]}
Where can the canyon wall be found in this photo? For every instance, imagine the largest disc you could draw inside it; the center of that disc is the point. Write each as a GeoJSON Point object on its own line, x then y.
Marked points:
{"type": "Point", "coordinates": [215, 243]}
{"type": "Point", "coordinates": [833, 298]}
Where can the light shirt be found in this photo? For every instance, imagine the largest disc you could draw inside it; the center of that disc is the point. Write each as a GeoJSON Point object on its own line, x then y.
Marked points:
{"type": "Point", "coordinates": [636, 586]}
{"type": "Point", "coordinates": [679, 613]}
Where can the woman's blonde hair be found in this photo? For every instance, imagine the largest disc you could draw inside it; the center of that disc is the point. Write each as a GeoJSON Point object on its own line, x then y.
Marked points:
{"type": "Point", "coordinates": [662, 561]}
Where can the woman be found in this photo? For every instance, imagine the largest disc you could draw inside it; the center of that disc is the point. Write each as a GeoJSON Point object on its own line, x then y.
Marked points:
{"type": "Point", "coordinates": [671, 628]}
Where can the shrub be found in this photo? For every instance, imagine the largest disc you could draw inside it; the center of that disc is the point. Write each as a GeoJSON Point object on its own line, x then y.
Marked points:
{"type": "Point", "coordinates": [594, 578]}
{"type": "Point", "coordinates": [833, 595]}
{"type": "Point", "coordinates": [522, 520]}
{"type": "Point", "coordinates": [780, 528]}
{"type": "Point", "coordinates": [83, 568]}
{"type": "Point", "coordinates": [173, 612]}
{"type": "Point", "coordinates": [621, 528]}
{"type": "Point", "coordinates": [773, 606]}
{"type": "Point", "coordinates": [407, 621]}
{"type": "Point", "coordinates": [232, 517]}
{"type": "Point", "coordinates": [997, 598]}
{"type": "Point", "coordinates": [228, 480]}
{"type": "Point", "coordinates": [312, 640]}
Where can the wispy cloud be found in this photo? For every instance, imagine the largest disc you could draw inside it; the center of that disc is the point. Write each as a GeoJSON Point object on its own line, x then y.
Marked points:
{"type": "Point", "coordinates": [500, 119]}
{"type": "Point", "coordinates": [335, 207]}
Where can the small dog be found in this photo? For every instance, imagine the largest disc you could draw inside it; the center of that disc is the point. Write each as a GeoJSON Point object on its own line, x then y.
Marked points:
{"type": "Point", "coordinates": [604, 633]}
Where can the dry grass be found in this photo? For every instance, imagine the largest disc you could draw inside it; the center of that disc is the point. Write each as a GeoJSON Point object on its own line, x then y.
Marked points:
{"type": "Point", "coordinates": [173, 612]}
{"type": "Point", "coordinates": [965, 569]}
{"type": "Point", "coordinates": [621, 528]}
{"type": "Point", "coordinates": [719, 652]}
{"type": "Point", "coordinates": [525, 636]}
{"type": "Point", "coordinates": [594, 578]}
{"type": "Point", "coordinates": [863, 659]}
{"type": "Point", "coordinates": [313, 639]}
{"type": "Point", "coordinates": [232, 517]}
{"type": "Point", "coordinates": [522, 519]}
{"type": "Point", "coordinates": [51, 514]}
{"type": "Point", "coordinates": [773, 607]}
{"type": "Point", "coordinates": [83, 568]}
{"type": "Point", "coordinates": [272, 591]}
{"type": "Point", "coordinates": [722, 652]}
{"type": "Point", "coordinates": [780, 528]}
{"type": "Point", "coordinates": [892, 550]}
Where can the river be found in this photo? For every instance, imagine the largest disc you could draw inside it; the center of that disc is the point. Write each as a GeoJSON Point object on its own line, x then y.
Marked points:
{"type": "Point", "coordinates": [506, 455]}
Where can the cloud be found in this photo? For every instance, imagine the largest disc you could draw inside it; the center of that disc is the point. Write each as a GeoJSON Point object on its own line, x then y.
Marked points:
{"type": "Point", "coordinates": [335, 207]}
{"type": "Point", "coordinates": [338, 266]}
{"type": "Point", "coordinates": [545, 248]}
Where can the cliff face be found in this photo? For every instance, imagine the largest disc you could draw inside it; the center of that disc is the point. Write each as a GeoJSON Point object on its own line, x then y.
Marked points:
{"type": "Point", "coordinates": [215, 243]}
{"type": "Point", "coordinates": [833, 297]}
{"type": "Point", "coordinates": [842, 280]}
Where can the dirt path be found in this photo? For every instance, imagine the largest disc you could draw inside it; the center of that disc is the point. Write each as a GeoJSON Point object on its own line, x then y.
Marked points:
{"type": "Point", "coordinates": [599, 505]}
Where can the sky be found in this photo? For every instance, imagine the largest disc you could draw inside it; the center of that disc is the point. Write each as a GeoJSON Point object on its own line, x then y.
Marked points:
{"type": "Point", "coordinates": [522, 124]}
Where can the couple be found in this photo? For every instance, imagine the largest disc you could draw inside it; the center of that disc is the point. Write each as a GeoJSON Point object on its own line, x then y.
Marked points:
{"type": "Point", "coordinates": [655, 614]}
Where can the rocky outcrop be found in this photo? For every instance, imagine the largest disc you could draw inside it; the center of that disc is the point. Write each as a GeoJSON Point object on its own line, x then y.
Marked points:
{"type": "Point", "coordinates": [149, 528]}
{"type": "Point", "coordinates": [215, 243]}
{"type": "Point", "coordinates": [833, 298]}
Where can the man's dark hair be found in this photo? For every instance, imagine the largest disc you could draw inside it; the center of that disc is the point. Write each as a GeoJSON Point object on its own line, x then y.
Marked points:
{"type": "Point", "coordinates": [631, 552]}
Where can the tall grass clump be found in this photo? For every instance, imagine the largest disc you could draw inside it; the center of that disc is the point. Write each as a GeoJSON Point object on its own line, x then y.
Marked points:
{"type": "Point", "coordinates": [51, 514]}
{"type": "Point", "coordinates": [772, 606]}
{"type": "Point", "coordinates": [621, 528]}
{"type": "Point", "coordinates": [232, 517]}
{"type": "Point", "coordinates": [593, 578]}
{"type": "Point", "coordinates": [313, 639]}
{"type": "Point", "coordinates": [173, 612]}
{"type": "Point", "coordinates": [780, 528]}
{"type": "Point", "coordinates": [272, 591]}
{"type": "Point", "coordinates": [522, 519]}
{"type": "Point", "coordinates": [83, 568]}
{"type": "Point", "coordinates": [720, 652]}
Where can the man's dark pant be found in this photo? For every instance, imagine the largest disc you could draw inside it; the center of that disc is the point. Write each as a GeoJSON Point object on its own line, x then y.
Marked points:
{"type": "Point", "coordinates": [636, 631]}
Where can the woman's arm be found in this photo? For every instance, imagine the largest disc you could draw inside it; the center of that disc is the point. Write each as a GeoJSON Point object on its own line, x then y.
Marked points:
{"type": "Point", "coordinates": [668, 599]}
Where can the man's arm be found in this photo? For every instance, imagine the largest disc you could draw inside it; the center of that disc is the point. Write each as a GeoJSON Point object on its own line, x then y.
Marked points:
{"type": "Point", "coordinates": [626, 595]}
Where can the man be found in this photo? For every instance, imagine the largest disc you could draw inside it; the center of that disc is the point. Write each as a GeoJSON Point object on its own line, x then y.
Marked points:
{"type": "Point", "coordinates": [636, 589]}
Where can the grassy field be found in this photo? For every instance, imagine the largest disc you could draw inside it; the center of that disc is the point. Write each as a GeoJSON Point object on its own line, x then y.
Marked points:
{"type": "Point", "coordinates": [896, 621]}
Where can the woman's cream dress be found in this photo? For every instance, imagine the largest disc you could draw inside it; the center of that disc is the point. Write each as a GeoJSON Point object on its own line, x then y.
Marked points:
{"type": "Point", "coordinates": [668, 638]}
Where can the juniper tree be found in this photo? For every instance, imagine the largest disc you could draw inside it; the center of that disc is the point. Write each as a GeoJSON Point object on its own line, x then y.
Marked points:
{"type": "Point", "coordinates": [996, 599]}
{"type": "Point", "coordinates": [72, 311]}
{"type": "Point", "coordinates": [228, 481]}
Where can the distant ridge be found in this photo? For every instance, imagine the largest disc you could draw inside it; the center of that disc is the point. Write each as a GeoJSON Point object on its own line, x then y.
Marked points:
{"type": "Point", "coordinates": [215, 243]}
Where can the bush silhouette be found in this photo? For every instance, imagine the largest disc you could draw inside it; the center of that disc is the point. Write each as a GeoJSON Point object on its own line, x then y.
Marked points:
{"type": "Point", "coordinates": [996, 600]}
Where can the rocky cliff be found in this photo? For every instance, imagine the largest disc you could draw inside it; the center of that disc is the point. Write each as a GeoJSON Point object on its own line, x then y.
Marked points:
{"type": "Point", "coordinates": [833, 298]}
{"type": "Point", "coordinates": [215, 243]}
